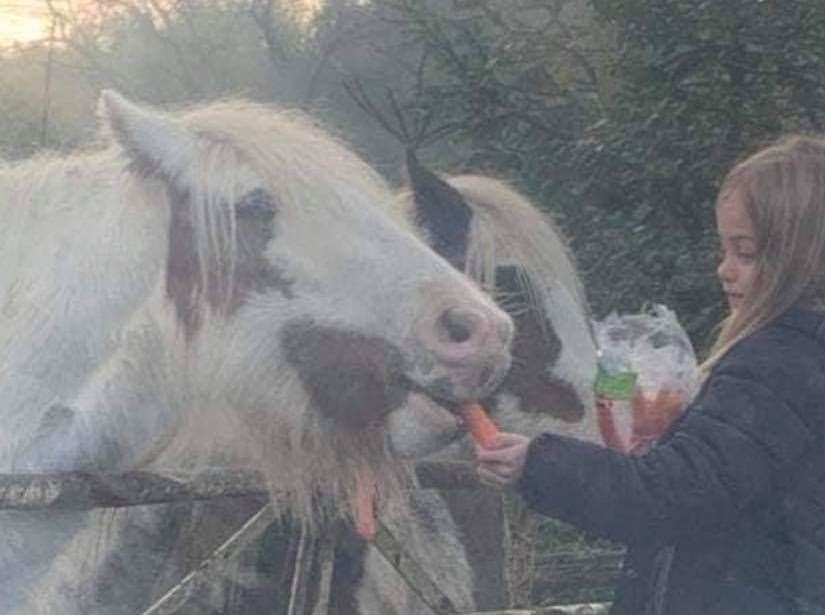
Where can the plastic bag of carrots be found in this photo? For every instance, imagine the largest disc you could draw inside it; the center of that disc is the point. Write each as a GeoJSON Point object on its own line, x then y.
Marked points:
{"type": "Point", "coordinates": [647, 376]}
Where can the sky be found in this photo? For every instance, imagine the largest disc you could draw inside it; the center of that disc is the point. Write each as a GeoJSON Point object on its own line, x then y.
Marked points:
{"type": "Point", "coordinates": [24, 21]}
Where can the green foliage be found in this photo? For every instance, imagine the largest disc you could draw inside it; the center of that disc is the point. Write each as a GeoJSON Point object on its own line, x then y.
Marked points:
{"type": "Point", "coordinates": [698, 84]}
{"type": "Point", "coordinates": [620, 117]}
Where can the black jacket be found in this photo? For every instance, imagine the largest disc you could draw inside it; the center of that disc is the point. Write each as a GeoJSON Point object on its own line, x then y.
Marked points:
{"type": "Point", "coordinates": [727, 513]}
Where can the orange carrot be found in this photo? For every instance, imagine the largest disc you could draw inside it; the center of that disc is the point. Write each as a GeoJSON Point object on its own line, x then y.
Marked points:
{"type": "Point", "coordinates": [607, 425]}
{"type": "Point", "coordinates": [652, 415]}
{"type": "Point", "coordinates": [363, 505]}
{"type": "Point", "coordinates": [482, 428]}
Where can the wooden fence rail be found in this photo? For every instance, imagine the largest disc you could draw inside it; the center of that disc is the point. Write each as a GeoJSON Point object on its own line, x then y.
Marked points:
{"type": "Point", "coordinates": [552, 577]}
{"type": "Point", "coordinates": [81, 491]}
{"type": "Point", "coordinates": [573, 609]}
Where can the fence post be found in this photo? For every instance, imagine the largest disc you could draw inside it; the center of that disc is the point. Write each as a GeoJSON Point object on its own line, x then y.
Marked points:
{"type": "Point", "coordinates": [415, 576]}
{"type": "Point", "coordinates": [215, 565]}
{"type": "Point", "coordinates": [520, 535]}
{"type": "Point", "coordinates": [327, 563]}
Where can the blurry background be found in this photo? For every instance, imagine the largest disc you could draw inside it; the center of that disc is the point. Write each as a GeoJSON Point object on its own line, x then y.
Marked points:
{"type": "Point", "coordinates": [617, 116]}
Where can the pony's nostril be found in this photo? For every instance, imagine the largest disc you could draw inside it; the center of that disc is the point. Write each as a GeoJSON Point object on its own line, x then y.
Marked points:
{"type": "Point", "coordinates": [458, 326]}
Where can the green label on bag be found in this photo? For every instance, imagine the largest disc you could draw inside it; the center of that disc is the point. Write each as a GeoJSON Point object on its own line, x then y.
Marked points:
{"type": "Point", "coordinates": [615, 386]}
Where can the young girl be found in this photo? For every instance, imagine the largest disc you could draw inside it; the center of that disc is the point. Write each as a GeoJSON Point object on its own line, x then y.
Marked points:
{"type": "Point", "coordinates": [726, 514]}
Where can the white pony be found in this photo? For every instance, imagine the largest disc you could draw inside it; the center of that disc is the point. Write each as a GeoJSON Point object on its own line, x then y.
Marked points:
{"type": "Point", "coordinates": [224, 286]}
{"type": "Point", "coordinates": [517, 254]}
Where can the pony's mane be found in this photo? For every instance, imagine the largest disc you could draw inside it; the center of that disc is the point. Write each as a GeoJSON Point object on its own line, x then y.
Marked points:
{"type": "Point", "coordinates": [506, 228]}
{"type": "Point", "coordinates": [21, 180]}
{"type": "Point", "coordinates": [300, 163]}
{"type": "Point", "coordinates": [279, 144]}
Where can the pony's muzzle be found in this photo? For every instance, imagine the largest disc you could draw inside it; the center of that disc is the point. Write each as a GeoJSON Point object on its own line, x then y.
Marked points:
{"type": "Point", "coordinates": [471, 345]}
{"type": "Point", "coordinates": [460, 334]}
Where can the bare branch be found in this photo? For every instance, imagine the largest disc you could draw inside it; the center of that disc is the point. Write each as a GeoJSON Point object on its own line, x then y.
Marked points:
{"type": "Point", "coordinates": [355, 89]}
{"type": "Point", "coordinates": [399, 115]}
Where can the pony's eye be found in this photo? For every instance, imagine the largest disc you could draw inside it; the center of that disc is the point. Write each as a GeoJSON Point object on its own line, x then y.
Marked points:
{"type": "Point", "coordinates": [255, 203]}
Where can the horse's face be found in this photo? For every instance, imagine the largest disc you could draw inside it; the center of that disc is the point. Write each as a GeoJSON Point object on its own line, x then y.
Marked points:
{"type": "Point", "coordinates": [363, 313]}
{"type": "Point", "coordinates": [485, 228]}
{"type": "Point", "coordinates": [292, 280]}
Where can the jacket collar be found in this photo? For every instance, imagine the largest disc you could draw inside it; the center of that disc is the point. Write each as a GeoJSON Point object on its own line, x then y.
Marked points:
{"type": "Point", "coordinates": [809, 322]}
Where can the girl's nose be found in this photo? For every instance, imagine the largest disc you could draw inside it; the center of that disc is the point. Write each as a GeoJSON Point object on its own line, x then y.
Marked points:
{"type": "Point", "coordinates": [726, 270]}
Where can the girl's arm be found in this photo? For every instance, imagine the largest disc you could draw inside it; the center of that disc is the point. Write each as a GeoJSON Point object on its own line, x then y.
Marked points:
{"type": "Point", "coordinates": [728, 451]}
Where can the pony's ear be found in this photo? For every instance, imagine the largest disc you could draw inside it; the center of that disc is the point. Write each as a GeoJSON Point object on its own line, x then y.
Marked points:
{"type": "Point", "coordinates": [156, 142]}
{"type": "Point", "coordinates": [441, 211]}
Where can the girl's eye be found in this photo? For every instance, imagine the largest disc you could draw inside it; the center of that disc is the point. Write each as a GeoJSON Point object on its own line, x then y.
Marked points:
{"type": "Point", "coordinates": [747, 257]}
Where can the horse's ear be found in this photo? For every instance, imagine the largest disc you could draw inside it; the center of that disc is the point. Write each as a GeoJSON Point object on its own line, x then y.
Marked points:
{"type": "Point", "coordinates": [156, 142]}
{"type": "Point", "coordinates": [441, 211]}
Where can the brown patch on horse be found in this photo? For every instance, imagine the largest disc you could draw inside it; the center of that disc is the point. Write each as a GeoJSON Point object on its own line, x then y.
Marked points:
{"type": "Point", "coordinates": [536, 348]}
{"type": "Point", "coordinates": [254, 214]}
{"type": "Point", "coordinates": [352, 379]}
{"type": "Point", "coordinates": [184, 285]}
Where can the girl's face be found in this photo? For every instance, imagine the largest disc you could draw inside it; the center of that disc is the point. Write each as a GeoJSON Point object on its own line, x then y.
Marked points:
{"type": "Point", "coordinates": [737, 238]}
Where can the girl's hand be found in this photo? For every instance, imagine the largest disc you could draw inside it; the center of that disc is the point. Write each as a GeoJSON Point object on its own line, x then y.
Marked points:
{"type": "Point", "coordinates": [502, 464]}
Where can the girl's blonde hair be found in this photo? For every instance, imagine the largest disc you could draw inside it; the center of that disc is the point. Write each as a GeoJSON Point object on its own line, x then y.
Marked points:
{"type": "Point", "coordinates": [782, 188]}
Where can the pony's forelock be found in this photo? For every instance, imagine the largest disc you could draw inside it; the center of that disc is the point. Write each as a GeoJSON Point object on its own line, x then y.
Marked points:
{"type": "Point", "coordinates": [273, 144]}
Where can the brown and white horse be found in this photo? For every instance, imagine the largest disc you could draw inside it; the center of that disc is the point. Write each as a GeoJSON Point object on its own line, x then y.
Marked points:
{"type": "Point", "coordinates": [222, 286]}
{"type": "Point", "coordinates": [493, 233]}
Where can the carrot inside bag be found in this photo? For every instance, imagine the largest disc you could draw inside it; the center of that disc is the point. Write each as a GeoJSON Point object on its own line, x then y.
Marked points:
{"type": "Point", "coordinates": [479, 424]}
{"type": "Point", "coordinates": [608, 428]}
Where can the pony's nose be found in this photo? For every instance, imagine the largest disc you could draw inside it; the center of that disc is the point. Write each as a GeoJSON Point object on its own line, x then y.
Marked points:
{"type": "Point", "coordinates": [462, 346]}
{"type": "Point", "coordinates": [460, 333]}
{"type": "Point", "coordinates": [456, 326]}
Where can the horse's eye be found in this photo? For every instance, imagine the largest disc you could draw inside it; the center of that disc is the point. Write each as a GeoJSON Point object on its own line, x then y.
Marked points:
{"type": "Point", "coordinates": [257, 202]}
